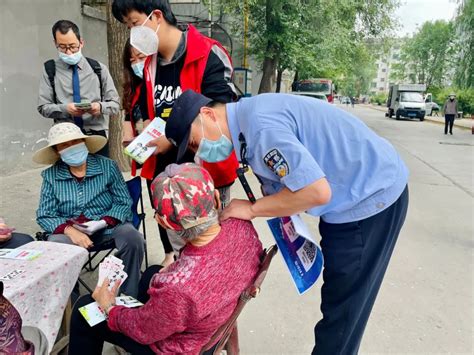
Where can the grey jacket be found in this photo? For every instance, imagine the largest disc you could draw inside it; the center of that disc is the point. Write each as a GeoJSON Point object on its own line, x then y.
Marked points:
{"type": "Point", "coordinates": [450, 107]}
{"type": "Point", "coordinates": [90, 90]}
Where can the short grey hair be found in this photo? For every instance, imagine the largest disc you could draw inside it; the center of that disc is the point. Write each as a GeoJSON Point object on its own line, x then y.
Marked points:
{"type": "Point", "coordinates": [194, 232]}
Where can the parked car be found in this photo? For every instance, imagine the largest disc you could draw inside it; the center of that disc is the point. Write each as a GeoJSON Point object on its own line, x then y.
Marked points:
{"type": "Point", "coordinates": [315, 95]}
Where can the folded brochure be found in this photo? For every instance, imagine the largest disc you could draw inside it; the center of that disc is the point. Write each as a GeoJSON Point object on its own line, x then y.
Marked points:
{"type": "Point", "coordinates": [93, 314]}
{"type": "Point", "coordinates": [301, 253]}
{"type": "Point", "coordinates": [137, 149]}
{"type": "Point", "coordinates": [20, 254]}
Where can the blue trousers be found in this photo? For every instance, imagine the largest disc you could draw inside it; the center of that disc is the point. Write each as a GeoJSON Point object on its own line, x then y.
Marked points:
{"type": "Point", "coordinates": [356, 256]}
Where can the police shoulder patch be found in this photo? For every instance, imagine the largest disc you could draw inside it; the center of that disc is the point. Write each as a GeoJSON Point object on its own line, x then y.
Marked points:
{"type": "Point", "coordinates": [277, 163]}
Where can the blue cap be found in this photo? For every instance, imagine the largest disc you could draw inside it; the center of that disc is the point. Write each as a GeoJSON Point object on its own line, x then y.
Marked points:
{"type": "Point", "coordinates": [184, 112]}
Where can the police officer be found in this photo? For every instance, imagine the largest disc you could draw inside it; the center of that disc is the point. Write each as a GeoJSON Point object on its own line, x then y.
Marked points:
{"type": "Point", "coordinates": [311, 156]}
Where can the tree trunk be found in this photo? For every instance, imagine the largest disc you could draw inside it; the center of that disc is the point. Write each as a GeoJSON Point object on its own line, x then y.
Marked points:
{"type": "Point", "coordinates": [278, 80]}
{"type": "Point", "coordinates": [269, 67]}
{"type": "Point", "coordinates": [117, 35]}
{"type": "Point", "coordinates": [295, 80]}
{"type": "Point", "coordinates": [270, 61]}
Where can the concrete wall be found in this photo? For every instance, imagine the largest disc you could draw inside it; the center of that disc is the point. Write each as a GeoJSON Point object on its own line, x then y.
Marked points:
{"type": "Point", "coordinates": [25, 43]}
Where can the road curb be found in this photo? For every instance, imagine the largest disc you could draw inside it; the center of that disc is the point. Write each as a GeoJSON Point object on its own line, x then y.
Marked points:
{"type": "Point", "coordinates": [427, 118]}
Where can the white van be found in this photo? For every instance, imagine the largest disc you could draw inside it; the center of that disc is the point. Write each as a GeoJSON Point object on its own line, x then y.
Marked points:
{"type": "Point", "coordinates": [406, 100]}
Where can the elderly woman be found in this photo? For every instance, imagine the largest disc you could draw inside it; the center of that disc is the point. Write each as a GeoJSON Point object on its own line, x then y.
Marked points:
{"type": "Point", "coordinates": [85, 201]}
{"type": "Point", "coordinates": [186, 302]}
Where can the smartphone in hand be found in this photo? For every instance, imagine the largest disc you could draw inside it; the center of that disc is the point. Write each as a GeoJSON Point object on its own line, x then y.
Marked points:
{"type": "Point", "coordinates": [84, 105]}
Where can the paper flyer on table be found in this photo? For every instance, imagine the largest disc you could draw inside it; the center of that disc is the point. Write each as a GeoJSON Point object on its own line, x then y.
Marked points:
{"type": "Point", "coordinates": [301, 253]}
{"type": "Point", "coordinates": [20, 254]}
{"type": "Point", "coordinates": [137, 149]}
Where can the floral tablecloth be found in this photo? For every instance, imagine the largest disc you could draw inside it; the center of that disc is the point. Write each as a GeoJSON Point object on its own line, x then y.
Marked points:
{"type": "Point", "coordinates": [41, 293]}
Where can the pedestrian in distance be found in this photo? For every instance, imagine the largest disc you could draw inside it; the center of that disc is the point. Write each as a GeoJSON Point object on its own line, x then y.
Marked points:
{"type": "Point", "coordinates": [332, 166]}
{"type": "Point", "coordinates": [450, 110]}
{"type": "Point", "coordinates": [75, 88]}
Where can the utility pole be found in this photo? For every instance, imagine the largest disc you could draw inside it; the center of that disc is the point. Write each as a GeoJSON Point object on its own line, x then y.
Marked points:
{"type": "Point", "coordinates": [210, 19]}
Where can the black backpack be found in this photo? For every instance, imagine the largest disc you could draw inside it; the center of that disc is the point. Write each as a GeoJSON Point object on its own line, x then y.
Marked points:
{"type": "Point", "coordinates": [50, 67]}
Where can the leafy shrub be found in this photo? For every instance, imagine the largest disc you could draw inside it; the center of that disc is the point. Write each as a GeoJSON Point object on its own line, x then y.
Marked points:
{"type": "Point", "coordinates": [379, 99]}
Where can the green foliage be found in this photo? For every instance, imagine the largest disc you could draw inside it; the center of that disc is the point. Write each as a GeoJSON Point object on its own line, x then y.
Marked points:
{"type": "Point", "coordinates": [316, 38]}
{"type": "Point", "coordinates": [466, 100]}
{"type": "Point", "coordinates": [379, 99]}
{"type": "Point", "coordinates": [424, 58]}
{"type": "Point", "coordinates": [359, 72]}
{"type": "Point", "coordinates": [464, 45]}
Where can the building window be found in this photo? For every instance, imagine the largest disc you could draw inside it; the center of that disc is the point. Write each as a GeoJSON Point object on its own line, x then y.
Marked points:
{"type": "Point", "coordinates": [384, 70]}
{"type": "Point", "coordinates": [381, 89]}
{"type": "Point", "coordinates": [374, 85]}
{"type": "Point", "coordinates": [382, 79]}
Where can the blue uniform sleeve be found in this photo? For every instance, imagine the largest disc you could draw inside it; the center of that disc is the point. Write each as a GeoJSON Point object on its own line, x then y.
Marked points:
{"type": "Point", "coordinates": [280, 156]}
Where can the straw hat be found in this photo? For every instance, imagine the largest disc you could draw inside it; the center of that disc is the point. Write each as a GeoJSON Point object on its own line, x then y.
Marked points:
{"type": "Point", "coordinates": [452, 94]}
{"type": "Point", "coordinates": [62, 133]}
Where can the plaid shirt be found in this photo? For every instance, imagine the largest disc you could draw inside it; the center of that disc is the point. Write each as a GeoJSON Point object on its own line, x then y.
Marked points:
{"type": "Point", "coordinates": [101, 193]}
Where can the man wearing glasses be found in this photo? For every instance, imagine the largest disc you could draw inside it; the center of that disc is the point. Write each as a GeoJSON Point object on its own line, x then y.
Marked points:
{"type": "Point", "coordinates": [77, 89]}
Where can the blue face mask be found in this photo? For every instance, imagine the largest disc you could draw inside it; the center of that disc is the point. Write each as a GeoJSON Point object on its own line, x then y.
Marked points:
{"type": "Point", "coordinates": [214, 151]}
{"type": "Point", "coordinates": [75, 155]}
{"type": "Point", "coordinates": [71, 59]}
{"type": "Point", "coordinates": [138, 69]}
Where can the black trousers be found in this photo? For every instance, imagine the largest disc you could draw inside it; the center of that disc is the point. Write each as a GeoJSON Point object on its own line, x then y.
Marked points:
{"type": "Point", "coordinates": [85, 339]}
{"type": "Point", "coordinates": [448, 120]}
{"type": "Point", "coordinates": [356, 255]}
{"type": "Point", "coordinates": [105, 150]}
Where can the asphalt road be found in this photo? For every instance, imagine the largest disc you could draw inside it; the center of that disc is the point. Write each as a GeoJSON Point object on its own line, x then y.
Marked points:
{"type": "Point", "coordinates": [425, 305]}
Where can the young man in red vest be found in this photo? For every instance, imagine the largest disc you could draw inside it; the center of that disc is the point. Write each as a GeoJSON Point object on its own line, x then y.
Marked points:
{"type": "Point", "coordinates": [177, 60]}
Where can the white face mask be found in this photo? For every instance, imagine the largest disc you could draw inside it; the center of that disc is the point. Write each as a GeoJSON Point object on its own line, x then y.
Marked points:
{"type": "Point", "coordinates": [144, 39]}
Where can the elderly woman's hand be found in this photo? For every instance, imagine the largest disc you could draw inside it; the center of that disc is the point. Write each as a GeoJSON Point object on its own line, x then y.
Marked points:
{"type": "Point", "coordinates": [78, 238]}
{"type": "Point", "coordinates": [104, 297]}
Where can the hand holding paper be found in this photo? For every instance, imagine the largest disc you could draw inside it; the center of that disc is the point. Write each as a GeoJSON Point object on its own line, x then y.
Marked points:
{"type": "Point", "coordinates": [91, 227]}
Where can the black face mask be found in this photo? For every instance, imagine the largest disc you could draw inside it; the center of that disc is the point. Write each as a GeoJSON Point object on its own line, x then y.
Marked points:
{"type": "Point", "coordinates": [451, 98]}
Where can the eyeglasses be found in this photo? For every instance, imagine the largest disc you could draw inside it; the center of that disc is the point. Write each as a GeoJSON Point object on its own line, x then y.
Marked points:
{"type": "Point", "coordinates": [71, 47]}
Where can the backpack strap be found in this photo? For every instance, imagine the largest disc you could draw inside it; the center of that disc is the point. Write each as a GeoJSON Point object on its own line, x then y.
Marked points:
{"type": "Point", "coordinates": [50, 67]}
{"type": "Point", "coordinates": [98, 71]}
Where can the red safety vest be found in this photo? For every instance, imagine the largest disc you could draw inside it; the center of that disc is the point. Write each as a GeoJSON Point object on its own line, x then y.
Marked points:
{"type": "Point", "coordinates": [191, 76]}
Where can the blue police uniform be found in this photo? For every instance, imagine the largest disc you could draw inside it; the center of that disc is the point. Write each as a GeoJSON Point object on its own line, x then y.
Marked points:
{"type": "Point", "coordinates": [292, 141]}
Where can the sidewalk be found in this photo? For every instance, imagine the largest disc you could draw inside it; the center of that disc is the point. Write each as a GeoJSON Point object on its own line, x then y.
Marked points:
{"type": "Point", "coordinates": [464, 123]}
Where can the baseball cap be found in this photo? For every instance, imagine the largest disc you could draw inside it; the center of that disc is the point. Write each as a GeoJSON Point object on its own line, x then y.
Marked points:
{"type": "Point", "coordinates": [183, 196]}
{"type": "Point", "coordinates": [184, 111]}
